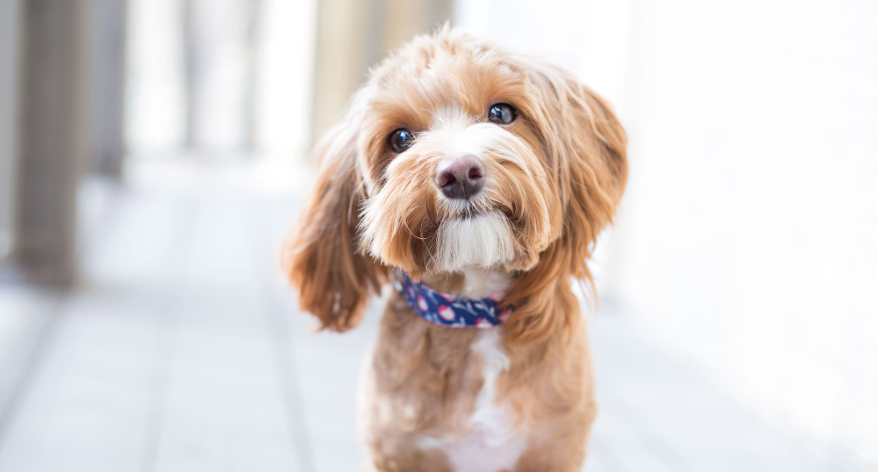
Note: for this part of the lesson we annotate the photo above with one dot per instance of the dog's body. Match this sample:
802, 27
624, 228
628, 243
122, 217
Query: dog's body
477, 172
440, 399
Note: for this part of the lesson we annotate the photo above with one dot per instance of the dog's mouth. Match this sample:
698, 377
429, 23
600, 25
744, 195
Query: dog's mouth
466, 209
482, 239
469, 214
471, 211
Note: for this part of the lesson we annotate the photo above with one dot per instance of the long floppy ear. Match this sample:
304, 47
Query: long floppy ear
588, 144
586, 147
322, 257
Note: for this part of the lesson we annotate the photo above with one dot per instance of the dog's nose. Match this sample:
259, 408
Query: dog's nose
460, 177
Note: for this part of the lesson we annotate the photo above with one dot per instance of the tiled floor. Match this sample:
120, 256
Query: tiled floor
180, 350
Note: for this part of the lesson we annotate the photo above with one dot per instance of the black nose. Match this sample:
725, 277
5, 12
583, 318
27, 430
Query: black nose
460, 177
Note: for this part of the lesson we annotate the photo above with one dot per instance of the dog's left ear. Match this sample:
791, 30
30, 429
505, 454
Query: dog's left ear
322, 258
586, 144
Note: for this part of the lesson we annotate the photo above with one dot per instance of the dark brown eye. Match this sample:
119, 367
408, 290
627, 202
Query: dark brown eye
502, 114
400, 140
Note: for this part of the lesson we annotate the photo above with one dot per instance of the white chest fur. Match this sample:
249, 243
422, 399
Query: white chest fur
492, 446
479, 283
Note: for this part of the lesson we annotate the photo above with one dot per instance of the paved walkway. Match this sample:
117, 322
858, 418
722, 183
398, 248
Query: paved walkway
181, 351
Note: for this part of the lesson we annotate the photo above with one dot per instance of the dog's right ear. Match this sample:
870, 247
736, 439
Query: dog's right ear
322, 258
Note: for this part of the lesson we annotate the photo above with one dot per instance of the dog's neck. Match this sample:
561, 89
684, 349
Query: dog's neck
471, 282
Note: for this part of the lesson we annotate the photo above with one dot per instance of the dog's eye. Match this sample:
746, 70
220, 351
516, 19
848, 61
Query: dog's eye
502, 114
400, 140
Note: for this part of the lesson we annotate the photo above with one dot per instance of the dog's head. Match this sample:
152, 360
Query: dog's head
456, 154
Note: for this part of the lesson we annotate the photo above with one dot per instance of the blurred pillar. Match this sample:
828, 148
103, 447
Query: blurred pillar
108, 46
343, 54
9, 20
52, 136
253, 11
353, 35
191, 78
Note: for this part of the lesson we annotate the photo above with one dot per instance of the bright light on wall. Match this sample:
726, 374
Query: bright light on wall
746, 238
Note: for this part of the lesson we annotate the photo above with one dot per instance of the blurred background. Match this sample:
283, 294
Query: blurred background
153, 153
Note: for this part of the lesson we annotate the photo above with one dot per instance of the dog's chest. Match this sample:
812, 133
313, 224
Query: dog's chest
491, 445
478, 453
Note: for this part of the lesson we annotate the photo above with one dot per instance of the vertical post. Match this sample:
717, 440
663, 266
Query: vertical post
52, 131
108, 45
353, 35
253, 10
403, 19
343, 46
9, 19
191, 68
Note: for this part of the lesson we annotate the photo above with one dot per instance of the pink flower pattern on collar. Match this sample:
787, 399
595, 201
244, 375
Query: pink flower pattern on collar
450, 310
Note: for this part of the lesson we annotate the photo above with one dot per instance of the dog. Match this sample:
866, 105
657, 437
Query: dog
475, 182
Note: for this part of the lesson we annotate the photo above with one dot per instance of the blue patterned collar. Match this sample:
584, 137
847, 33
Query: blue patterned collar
450, 310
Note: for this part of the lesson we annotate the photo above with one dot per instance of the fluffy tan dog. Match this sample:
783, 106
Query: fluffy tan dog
477, 181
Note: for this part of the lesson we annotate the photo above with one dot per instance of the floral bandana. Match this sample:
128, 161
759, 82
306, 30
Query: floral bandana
450, 310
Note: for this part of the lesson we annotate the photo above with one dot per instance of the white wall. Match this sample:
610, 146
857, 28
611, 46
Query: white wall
747, 237
8, 75
748, 233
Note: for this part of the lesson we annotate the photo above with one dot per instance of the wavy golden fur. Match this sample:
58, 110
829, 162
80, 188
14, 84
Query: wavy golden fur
554, 177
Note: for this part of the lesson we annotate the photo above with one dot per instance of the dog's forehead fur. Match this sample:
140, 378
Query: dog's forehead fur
436, 72
449, 49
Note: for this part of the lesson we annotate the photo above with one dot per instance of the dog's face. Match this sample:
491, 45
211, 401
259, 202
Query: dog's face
455, 165
454, 155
